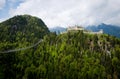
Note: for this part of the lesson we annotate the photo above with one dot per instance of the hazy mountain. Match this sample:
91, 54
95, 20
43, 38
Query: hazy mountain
57, 29
108, 29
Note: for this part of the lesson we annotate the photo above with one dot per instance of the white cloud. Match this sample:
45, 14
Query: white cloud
71, 12
2, 3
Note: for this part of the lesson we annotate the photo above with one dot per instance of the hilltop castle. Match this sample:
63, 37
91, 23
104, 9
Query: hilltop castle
73, 28
80, 28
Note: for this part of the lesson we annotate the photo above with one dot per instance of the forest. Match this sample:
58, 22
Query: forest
72, 55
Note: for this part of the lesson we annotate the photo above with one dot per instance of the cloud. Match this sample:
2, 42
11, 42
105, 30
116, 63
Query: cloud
71, 12
2, 3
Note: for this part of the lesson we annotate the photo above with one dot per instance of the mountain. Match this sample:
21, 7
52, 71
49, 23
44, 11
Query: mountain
22, 27
21, 31
71, 55
108, 29
58, 29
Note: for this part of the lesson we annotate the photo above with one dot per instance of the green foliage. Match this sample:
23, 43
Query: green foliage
65, 56
22, 28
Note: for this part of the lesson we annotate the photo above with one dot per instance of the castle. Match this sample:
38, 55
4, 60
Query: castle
71, 28
80, 28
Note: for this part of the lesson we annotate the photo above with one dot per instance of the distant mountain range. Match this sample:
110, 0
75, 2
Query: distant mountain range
107, 29
57, 29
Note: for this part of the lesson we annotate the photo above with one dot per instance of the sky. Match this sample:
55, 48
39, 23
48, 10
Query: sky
64, 12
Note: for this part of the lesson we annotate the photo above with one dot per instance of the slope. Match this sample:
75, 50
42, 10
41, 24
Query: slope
73, 55
21, 31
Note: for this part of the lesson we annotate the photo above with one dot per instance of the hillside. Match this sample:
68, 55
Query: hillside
22, 27
72, 55
108, 29
21, 31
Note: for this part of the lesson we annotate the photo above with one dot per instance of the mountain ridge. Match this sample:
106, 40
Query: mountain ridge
21, 31
57, 29
107, 29
24, 26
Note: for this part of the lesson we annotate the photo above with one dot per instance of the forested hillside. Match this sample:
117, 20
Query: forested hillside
21, 31
22, 27
65, 56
